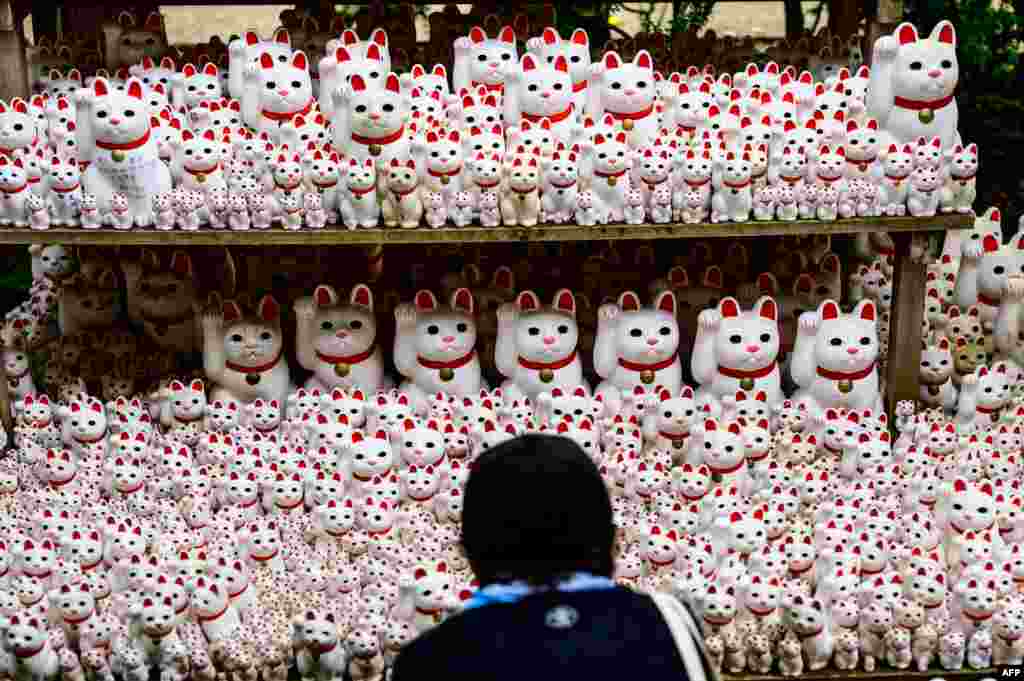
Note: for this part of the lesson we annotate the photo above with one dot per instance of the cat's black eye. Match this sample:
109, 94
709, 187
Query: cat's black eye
916, 66
636, 333
433, 330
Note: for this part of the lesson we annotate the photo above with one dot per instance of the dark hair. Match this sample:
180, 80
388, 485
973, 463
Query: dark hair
537, 509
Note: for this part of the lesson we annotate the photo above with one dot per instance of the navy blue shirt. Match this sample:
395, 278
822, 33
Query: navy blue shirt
588, 635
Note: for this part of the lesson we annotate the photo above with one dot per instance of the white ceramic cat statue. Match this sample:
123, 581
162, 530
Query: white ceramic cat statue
435, 349
738, 350
535, 90
276, 92
912, 83
114, 136
482, 61
835, 358
338, 341
625, 90
243, 354
537, 346
637, 347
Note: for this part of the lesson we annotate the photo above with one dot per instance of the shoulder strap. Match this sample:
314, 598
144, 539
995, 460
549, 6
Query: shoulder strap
687, 636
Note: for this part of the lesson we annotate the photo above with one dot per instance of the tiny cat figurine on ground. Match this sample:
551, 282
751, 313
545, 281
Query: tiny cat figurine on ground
695, 207
462, 208
586, 209
959, 192
661, 205
259, 210
924, 193
490, 214
163, 211
764, 203
291, 210
186, 204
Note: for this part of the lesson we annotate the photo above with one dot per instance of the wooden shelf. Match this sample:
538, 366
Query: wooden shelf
880, 674
333, 236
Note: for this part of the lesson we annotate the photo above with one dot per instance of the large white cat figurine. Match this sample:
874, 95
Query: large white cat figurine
337, 341
243, 354
576, 50
114, 136
835, 356
482, 61
535, 90
912, 83
737, 350
276, 92
637, 347
247, 50
537, 346
625, 90
436, 348
369, 120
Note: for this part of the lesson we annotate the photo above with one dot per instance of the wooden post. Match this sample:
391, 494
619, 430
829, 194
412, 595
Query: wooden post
907, 310
13, 69
890, 13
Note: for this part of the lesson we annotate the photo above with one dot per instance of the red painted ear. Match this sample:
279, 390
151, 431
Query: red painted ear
269, 310
629, 302
99, 89
729, 308
565, 302
666, 302
266, 61
829, 310
867, 312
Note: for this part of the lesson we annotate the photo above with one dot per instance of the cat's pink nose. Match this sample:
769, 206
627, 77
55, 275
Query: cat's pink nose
852, 351
493, 64
448, 339
374, 117
283, 93
115, 121
545, 95
549, 340
342, 334
934, 73
652, 341
630, 92
753, 348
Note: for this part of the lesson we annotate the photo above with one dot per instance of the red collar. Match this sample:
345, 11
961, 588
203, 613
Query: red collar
632, 116
497, 87
380, 533
921, 105
76, 620
60, 190
657, 366
61, 483
726, 471
484, 185
843, 376
829, 180
720, 623
985, 300
791, 179
932, 607
987, 410
256, 369
965, 178
288, 508
689, 498
455, 364
214, 616
442, 173
697, 184
652, 185
126, 146
869, 572
386, 139
675, 437
539, 366
361, 192
976, 618
236, 594
897, 178
205, 171
563, 186
660, 563
187, 420
287, 187
285, 117
336, 533
741, 373
264, 559
800, 571
23, 655
741, 185
580, 86
553, 118
804, 637
350, 359
270, 429
14, 191
405, 193
862, 163
758, 612
249, 504
91, 567
523, 192
324, 185
323, 650
88, 442
422, 499
604, 174
368, 478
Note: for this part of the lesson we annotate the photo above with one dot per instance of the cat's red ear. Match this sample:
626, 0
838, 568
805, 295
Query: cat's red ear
269, 309
906, 34
99, 89
945, 33
829, 310
266, 61
768, 309
666, 302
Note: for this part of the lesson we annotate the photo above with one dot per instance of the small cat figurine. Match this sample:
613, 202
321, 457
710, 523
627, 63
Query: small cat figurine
120, 211
186, 208
575, 50
483, 61
561, 174
490, 214
435, 348
911, 85
695, 208
520, 203
402, 204
586, 209
192, 86
217, 208
537, 346
835, 375
275, 92
635, 211
337, 341
661, 204
291, 210
536, 89
627, 360
238, 213
924, 193
243, 353
323, 173
313, 208
732, 200
259, 211
764, 203
462, 208
65, 191
786, 207
611, 162
374, 127
897, 166
435, 208
959, 191
89, 212
13, 192
358, 204
39, 214
937, 388
627, 91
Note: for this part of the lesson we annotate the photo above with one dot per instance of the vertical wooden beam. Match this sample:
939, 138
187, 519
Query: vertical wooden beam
908, 284
13, 68
890, 13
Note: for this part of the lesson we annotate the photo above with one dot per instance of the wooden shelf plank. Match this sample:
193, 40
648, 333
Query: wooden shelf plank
423, 235
886, 674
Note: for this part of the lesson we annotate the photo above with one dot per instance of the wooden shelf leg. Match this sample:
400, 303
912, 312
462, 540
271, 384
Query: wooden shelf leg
13, 69
904, 359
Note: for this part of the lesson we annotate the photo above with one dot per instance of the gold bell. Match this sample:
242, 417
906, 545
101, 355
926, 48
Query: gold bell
934, 389
612, 181
627, 124
547, 375
200, 178
445, 179
341, 369
845, 386
678, 444
647, 377
117, 156
446, 374
926, 116
747, 384
375, 150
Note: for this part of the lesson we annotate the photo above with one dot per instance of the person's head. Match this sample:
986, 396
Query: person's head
536, 509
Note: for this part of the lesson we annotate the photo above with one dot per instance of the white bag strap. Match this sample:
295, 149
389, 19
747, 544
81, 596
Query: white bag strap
687, 636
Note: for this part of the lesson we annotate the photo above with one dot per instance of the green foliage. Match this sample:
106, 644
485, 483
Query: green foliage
686, 14
590, 16
989, 41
